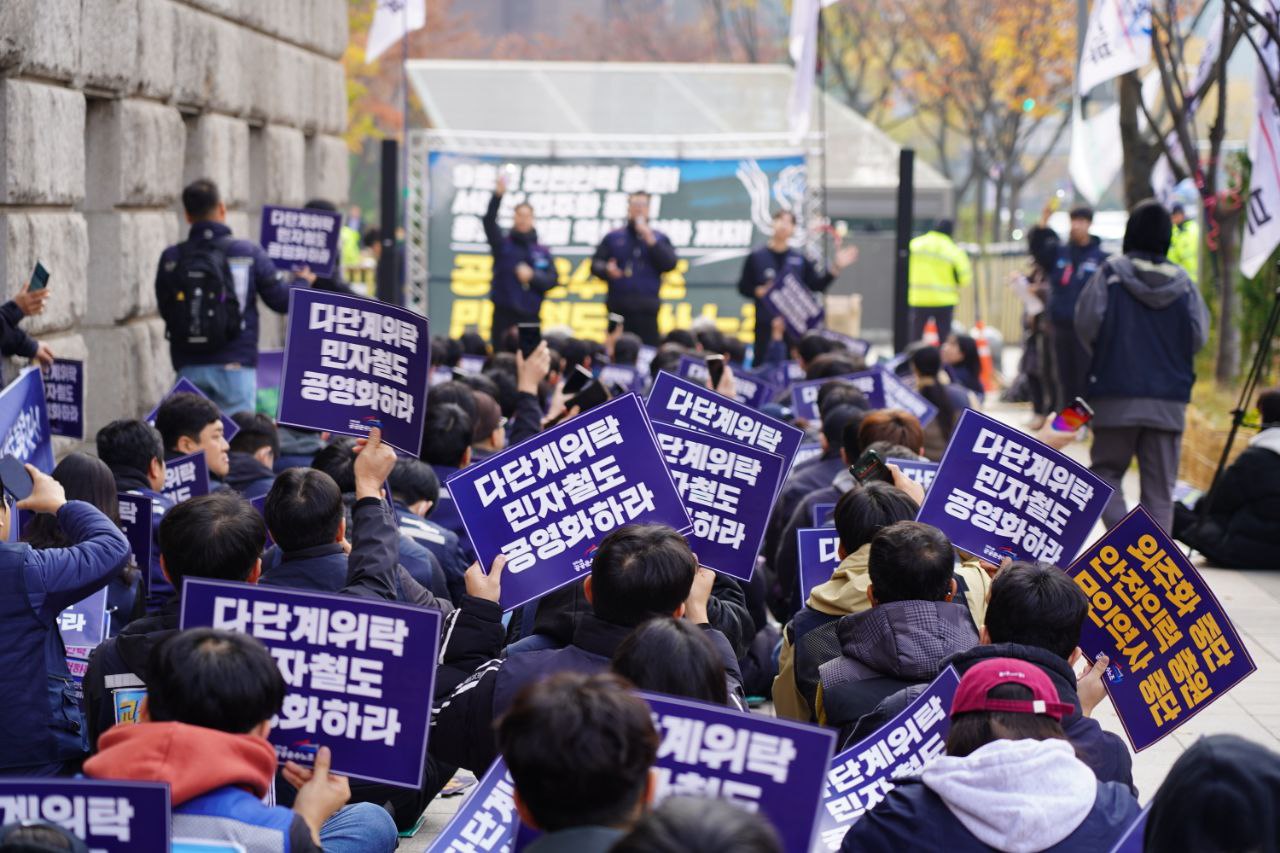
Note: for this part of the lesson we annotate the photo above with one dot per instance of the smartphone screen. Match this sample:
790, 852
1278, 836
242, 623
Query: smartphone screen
17, 481
1072, 417
615, 320
715, 368
593, 395
530, 337
577, 380
869, 464
39, 278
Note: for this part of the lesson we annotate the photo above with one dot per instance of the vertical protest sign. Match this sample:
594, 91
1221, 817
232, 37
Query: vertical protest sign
1000, 493
1173, 650
260, 504
186, 477
547, 502
748, 389
297, 237
628, 377
64, 397
795, 304
109, 816
472, 363
682, 403
1132, 840
270, 370
806, 452
728, 489
897, 395
186, 386
804, 395
135, 521
765, 765
821, 513
819, 556
353, 668
351, 364
487, 820
921, 471
83, 625
24, 422
856, 346
862, 775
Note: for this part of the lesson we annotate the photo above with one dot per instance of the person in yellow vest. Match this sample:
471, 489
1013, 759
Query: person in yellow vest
937, 269
1184, 248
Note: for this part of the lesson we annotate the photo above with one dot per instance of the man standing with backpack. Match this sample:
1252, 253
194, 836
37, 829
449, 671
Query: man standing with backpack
206, 289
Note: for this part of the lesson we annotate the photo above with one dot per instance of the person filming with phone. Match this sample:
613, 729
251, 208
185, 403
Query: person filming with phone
632, 260
28, 302
523, 269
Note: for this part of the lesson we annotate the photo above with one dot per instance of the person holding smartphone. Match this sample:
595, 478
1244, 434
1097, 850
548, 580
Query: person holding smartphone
28, 302
632, 260
523, 269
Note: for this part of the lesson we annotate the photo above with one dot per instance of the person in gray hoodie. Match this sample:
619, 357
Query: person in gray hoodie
1142, 320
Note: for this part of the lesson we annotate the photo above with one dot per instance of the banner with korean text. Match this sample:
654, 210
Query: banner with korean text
108, 816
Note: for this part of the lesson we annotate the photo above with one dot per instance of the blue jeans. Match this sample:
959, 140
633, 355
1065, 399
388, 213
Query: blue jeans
359, 828
232, 389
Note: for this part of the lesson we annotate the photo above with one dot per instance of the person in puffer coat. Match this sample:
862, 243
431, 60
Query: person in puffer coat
1010, 779
912, 626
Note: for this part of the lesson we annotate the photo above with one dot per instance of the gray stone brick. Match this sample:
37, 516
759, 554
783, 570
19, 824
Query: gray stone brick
107, 50
329, 96
218, 149
157, 32
41, 143
135, 154
40, 37
124, 251
278, 164
328, 169
61, 242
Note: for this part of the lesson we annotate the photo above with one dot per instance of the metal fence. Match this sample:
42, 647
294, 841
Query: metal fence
991, 297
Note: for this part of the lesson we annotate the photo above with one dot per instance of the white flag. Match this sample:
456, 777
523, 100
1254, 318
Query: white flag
1096, 151
803, 46
1262, 212
393, 21
1118, 41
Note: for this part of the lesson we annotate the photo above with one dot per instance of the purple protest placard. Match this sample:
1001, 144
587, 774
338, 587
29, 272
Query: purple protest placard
547, 502
472, 363
1132, 840
857, 346
1003, 494
898, 395
819, 556
64, 397
83, 625
682, 403
748, 389
486, 820
820, 513
791, 300
782, 374
1173, 650
259, 503
298, 237
185, 385
728, 489
765, 765
185, 478
351, 364
109, 816
625, 375
24, 423
921, 471
352, 666
804, 395
805, 452
270, 368
693, 368
645, 358
863, 774
135, 521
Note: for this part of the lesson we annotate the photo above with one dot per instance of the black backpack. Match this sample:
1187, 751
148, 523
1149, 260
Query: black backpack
198, 302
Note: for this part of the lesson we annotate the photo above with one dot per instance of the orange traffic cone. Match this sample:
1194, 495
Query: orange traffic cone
930, 336
988, 374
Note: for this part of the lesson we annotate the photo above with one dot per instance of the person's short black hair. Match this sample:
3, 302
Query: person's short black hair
213, 679
83, 478
672, 656
829, 365
504, 382
579, 748
927, 360
839, 392
303, 509
838, 419
1269, 406
256, 431
524, 204
473, 343
39, 837
321, 204
338, 460
479, 382
811, 345
130, 444
200, 198
219, 535
735, 350
184, 414
372, 236
456, 392
667, 358
446, 434
1036, 605
910, 561
641, 571
695, 824
626, 350
1149, 229
488, 417
638, 194
789, 214
1082, 211
1219, 795
683, 337
413, 480
863, 512
445, 352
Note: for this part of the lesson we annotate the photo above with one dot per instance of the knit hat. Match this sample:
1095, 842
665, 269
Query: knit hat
979, 680
1149, 229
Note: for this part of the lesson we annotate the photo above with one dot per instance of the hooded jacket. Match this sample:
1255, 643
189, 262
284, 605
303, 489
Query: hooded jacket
887, 648
216, 783
248, 476
1140, 309
1015, 796
1242, 530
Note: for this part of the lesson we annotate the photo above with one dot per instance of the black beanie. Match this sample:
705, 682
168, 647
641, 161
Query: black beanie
1221, 794
1149, 229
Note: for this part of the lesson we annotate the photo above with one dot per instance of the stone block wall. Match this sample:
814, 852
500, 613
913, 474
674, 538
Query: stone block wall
107, 108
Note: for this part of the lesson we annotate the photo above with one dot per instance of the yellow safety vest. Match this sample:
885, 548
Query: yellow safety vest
349, 246
937, 269
1184, 248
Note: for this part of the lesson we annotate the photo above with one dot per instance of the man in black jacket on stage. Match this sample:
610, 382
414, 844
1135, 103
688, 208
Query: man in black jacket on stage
523, 269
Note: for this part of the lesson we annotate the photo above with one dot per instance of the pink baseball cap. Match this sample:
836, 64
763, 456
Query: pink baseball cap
971, 695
